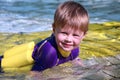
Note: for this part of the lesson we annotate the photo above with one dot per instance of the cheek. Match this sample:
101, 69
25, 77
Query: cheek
59, 38
77, 42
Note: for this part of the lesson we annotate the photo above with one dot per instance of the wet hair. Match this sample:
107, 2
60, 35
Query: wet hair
71, 14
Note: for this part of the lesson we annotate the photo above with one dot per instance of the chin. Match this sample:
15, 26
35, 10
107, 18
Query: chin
68, 50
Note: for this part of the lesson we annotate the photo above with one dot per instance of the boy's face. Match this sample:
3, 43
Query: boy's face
67, 39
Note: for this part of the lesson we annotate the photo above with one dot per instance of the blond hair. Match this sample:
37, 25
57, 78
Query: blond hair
71, 14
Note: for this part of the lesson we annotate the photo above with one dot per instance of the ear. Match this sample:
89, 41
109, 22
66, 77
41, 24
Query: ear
83, 36
53, 28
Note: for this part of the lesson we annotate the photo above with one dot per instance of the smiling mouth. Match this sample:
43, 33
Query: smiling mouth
66, 45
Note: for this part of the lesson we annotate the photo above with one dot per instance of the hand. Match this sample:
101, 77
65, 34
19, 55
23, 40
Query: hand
34, 75
77, 62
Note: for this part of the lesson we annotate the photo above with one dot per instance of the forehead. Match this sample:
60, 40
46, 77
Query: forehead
70, 29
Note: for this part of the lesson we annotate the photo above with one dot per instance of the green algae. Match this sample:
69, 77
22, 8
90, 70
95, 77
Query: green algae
101, 40
9, 40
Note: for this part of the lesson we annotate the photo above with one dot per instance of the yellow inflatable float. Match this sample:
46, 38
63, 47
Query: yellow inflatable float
18, 58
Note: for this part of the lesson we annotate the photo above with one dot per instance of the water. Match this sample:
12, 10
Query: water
94, 72
100, 52
37, 15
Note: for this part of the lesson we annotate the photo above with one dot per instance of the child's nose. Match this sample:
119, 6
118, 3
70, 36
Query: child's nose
68, 39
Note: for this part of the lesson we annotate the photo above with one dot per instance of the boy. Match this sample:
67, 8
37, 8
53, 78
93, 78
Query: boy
69, 28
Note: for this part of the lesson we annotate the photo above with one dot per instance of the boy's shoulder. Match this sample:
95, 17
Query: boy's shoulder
50, 40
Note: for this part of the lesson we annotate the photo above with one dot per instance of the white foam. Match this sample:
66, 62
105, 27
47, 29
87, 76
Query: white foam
16, 25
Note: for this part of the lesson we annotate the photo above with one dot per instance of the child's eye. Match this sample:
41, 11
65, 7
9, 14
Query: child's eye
76, 35
65, 33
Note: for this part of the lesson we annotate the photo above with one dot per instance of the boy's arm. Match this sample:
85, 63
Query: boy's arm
44, 57
75, 58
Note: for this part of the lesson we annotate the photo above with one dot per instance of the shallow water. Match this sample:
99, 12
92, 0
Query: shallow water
100, 52
109, 71
33, 16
